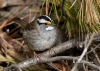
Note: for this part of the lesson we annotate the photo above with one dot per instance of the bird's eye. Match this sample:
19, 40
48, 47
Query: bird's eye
45, 23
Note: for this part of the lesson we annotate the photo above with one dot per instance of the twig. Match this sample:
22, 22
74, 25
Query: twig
84, 67
73, 4
70, 58
96, 56
93, 49
63, 8
43, 59
85, 50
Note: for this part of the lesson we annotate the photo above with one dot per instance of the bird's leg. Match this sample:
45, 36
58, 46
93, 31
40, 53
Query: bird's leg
51, 51
51, 64
35, 54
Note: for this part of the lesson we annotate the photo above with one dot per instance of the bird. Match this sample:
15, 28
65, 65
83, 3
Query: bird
41, 34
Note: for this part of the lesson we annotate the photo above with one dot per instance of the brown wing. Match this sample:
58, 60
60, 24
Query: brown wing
20, 22
30, 26
24, 25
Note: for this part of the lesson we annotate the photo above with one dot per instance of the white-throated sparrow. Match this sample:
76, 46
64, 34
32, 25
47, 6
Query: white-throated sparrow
41, 34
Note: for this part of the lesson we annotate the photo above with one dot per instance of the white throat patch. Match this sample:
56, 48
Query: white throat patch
49, 28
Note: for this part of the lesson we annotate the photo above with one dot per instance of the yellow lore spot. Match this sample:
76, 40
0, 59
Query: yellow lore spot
48, 22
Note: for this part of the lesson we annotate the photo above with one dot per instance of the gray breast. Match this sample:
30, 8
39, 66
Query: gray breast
39, 40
